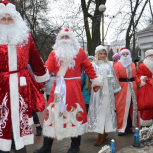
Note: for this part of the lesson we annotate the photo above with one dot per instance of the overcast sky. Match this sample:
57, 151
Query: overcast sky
112, 7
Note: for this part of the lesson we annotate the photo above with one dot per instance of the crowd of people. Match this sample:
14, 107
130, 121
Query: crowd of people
84, 94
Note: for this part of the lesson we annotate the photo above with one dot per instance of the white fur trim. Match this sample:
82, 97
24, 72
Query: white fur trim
148, 64
5, 145
28, 139
30, 121
8, 9
14, 96
142, 82
127, 106
149, 52
125, 51
12, 56
23, 81
97, 81
65, 33
57, 131
99, 48
42, 78
49, 131
146, 122
117, 90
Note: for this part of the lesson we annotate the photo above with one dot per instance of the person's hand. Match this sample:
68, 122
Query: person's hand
44, 88
116, 93
145, 79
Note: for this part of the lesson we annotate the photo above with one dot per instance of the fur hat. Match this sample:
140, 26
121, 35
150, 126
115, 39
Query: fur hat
124, 50
6, 7
148, 52
99, 48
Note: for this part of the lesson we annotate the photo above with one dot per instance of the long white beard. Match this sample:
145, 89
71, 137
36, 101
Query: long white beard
14, 33
126, 61
148, 62
65, 52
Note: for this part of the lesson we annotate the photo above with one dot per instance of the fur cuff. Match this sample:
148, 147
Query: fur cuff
97, 81
117, 90
142, 82
42, 78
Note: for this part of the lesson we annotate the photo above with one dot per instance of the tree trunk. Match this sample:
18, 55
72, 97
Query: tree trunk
95, 33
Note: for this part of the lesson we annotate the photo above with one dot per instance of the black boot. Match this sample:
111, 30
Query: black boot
38, 130
46, 148
75, 145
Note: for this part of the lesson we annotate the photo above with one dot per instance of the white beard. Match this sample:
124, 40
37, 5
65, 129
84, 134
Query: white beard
126, 61
65, 52
148, 62
15, 33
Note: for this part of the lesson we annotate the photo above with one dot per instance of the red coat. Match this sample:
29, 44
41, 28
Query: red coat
19, 94
145, 95
73, 122
123, 98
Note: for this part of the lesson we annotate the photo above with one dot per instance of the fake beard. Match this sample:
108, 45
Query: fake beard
126, 61
148, 62
14, 33
65, 52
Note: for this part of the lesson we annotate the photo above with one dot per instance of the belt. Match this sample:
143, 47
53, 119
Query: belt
126, 79
11, 72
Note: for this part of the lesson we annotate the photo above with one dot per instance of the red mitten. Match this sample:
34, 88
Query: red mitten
95, 88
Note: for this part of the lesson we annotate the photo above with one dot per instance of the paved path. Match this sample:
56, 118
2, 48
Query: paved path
87, 142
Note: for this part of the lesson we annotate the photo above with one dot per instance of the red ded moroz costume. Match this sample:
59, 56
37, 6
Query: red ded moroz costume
145, 100
19, 94
72, 121
128, 81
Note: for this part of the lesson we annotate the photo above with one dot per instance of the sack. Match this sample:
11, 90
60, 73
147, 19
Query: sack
145, 97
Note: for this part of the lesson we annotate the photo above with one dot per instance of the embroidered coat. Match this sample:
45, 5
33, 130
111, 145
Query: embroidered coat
19, 94
73, 121
145, 95
102, 115
123, 99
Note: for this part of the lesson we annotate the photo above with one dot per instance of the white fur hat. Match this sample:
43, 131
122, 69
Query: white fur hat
7, 8
124, 50
100, 47
148, 52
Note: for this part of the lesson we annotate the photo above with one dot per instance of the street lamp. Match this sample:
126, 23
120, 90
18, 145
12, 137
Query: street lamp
102, 9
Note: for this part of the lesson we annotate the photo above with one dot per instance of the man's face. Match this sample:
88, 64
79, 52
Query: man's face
65, 37
6, 20
125, 54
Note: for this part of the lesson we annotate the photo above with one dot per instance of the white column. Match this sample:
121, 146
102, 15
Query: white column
142, 54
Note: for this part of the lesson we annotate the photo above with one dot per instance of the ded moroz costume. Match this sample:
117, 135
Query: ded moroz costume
19, 94
145, 100
126, 109
66, 114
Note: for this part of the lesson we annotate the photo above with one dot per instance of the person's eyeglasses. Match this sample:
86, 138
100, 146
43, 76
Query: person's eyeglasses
4, 19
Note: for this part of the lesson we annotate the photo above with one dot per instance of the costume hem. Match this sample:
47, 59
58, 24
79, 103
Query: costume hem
5, 145
49, 131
